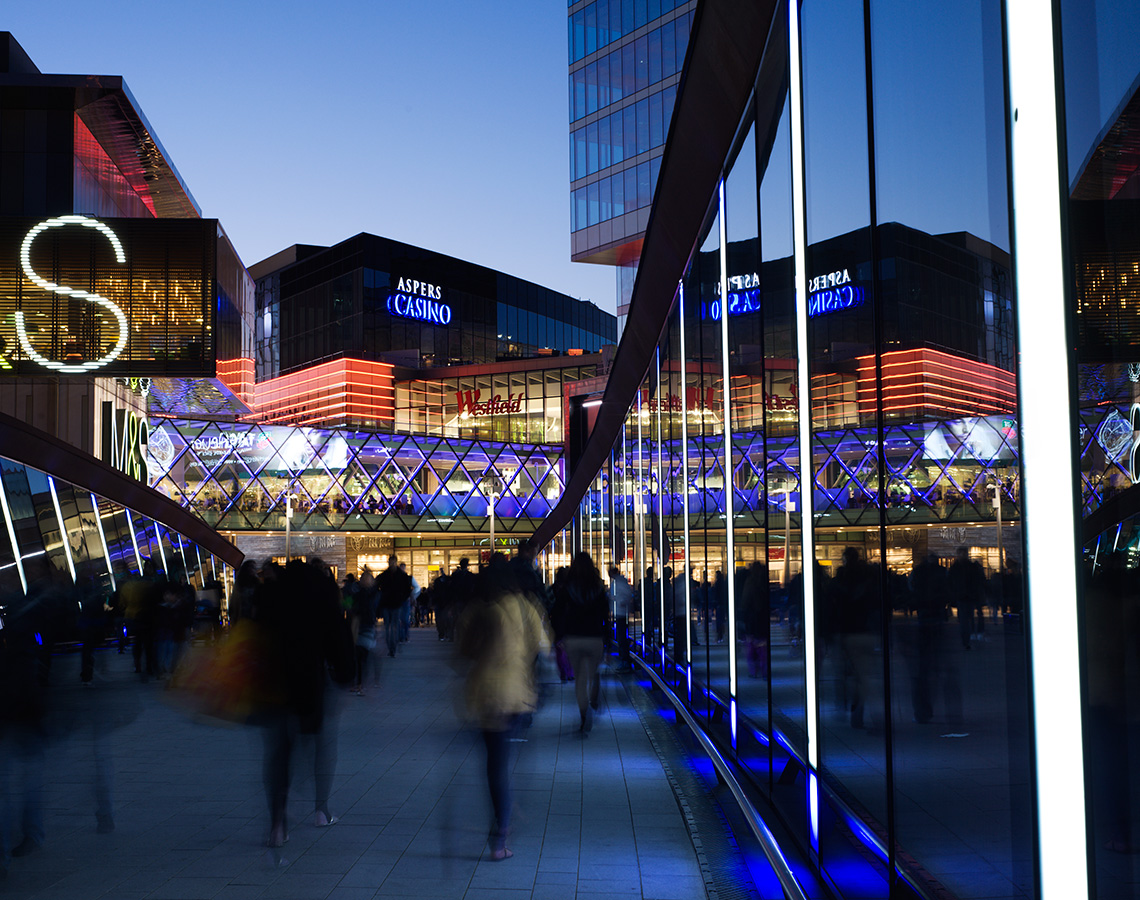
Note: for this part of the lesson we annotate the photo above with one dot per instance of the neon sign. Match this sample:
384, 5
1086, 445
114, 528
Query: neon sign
419, 308
114, 297
125, 440
70, 292
834, 299
469, 404
743, 297
408, 286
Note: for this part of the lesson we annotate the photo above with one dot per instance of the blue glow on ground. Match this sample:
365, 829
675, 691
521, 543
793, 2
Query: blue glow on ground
813, 809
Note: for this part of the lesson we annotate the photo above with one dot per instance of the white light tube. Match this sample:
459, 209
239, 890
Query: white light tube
12, 535
1051, 537
726, 471
62, 527
807, 500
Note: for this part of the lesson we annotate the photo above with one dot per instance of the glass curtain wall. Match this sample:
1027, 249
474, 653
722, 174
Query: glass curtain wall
59, 537
240, 477
1102, 117
912, 483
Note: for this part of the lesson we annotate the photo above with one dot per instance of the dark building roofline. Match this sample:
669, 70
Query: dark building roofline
13, 58
112, 114
299, 253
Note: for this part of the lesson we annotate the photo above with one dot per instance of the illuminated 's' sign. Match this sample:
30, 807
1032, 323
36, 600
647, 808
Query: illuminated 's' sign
107, 296
420, 308
71, 293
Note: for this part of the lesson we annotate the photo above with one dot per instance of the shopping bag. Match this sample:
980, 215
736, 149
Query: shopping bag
233, 680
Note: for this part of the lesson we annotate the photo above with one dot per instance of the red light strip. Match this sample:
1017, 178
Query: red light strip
330, 390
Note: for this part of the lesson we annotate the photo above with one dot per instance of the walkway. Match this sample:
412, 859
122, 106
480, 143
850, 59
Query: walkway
595, 817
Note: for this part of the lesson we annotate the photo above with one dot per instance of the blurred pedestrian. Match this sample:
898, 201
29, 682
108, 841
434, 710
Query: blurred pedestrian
305, 637
32, 622
582, 611
621, 594
361, 596
499, 634
395, 587
967, 585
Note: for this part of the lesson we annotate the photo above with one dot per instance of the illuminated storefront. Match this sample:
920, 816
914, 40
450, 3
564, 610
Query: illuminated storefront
348, 490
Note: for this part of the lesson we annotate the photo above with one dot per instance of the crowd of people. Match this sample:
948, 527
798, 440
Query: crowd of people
291, 642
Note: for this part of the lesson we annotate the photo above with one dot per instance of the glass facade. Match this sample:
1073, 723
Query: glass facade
61, 532
625, 62
1102, 121
237, 477
841, 379
376, 299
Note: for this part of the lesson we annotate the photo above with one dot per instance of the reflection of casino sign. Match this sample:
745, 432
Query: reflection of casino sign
470, 405
833, 292
419, 300
743, 297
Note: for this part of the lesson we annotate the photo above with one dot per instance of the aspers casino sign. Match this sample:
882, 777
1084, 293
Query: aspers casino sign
107, 296
419, 300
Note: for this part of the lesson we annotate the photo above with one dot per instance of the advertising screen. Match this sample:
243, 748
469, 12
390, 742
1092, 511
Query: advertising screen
81, 295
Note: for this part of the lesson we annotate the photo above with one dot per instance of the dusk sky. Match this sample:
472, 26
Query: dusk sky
439, 123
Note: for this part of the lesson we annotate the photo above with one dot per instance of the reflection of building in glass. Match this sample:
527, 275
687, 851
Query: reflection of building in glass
868, 297
61, 532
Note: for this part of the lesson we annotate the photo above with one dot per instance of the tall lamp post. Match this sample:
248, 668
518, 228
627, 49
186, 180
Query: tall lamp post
289, 495
491, 498
492, 482
996, 488
787, 532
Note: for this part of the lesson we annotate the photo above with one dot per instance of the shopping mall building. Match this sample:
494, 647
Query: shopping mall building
400, 401
886, 316
165, 405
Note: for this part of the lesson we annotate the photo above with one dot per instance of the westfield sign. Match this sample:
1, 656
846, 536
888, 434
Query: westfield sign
472, 404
